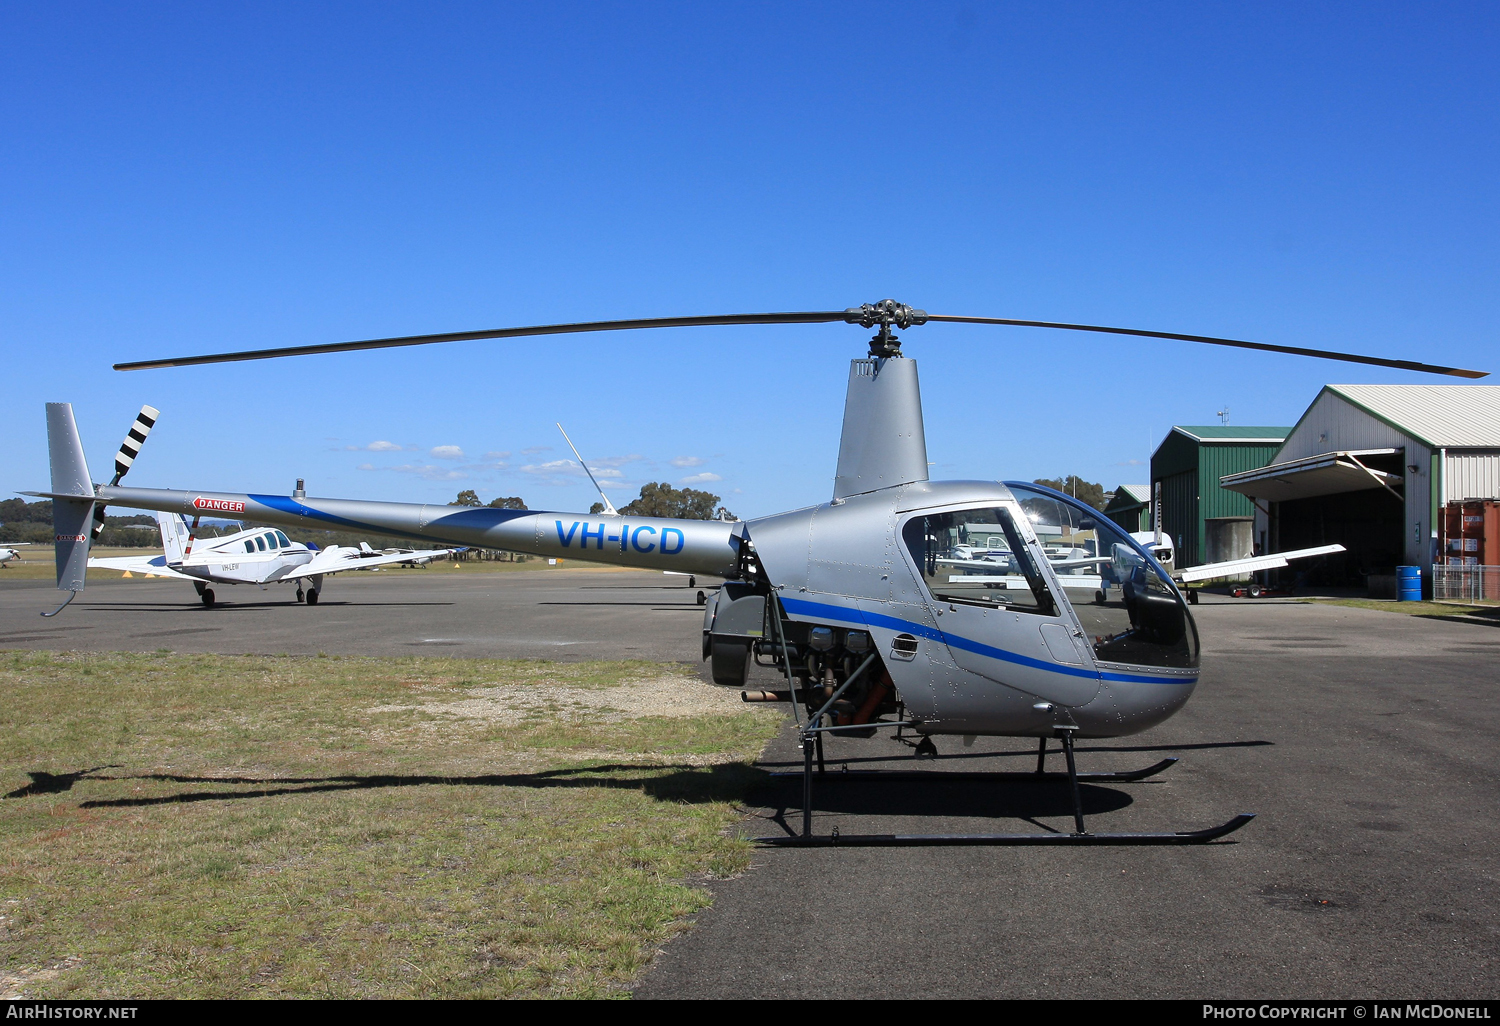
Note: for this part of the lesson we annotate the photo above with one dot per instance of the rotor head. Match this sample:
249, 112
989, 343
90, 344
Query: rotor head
887, 314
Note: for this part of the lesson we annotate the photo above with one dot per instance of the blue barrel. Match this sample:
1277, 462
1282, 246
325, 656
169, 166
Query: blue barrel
1408, 584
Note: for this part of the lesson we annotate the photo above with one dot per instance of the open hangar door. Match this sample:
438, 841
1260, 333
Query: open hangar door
1352, 497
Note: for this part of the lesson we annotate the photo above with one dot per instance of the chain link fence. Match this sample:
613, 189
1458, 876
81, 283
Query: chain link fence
1471, 583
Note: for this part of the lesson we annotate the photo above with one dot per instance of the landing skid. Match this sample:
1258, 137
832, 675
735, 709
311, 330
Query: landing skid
1080, 836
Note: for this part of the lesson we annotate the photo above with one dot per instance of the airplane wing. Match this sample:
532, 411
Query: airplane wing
1229, 568
155, 565
1069, 564
338, 558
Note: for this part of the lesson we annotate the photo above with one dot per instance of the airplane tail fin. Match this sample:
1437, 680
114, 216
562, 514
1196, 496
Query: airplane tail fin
72, 498
174, 536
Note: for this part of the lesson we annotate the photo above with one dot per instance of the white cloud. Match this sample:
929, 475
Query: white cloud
688, 461
382, 447
702, 478
422, 470
533, 450
498, 455
604, 469
553, 467
446, 452
615, 461
1132, 463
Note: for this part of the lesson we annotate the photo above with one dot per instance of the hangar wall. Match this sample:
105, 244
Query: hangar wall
1333, 423
1199, 514
1470, 475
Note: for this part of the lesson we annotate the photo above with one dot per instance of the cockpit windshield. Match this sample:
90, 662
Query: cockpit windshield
1128, 606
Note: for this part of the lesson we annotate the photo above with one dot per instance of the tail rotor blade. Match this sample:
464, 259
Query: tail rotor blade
125, 458
131, 447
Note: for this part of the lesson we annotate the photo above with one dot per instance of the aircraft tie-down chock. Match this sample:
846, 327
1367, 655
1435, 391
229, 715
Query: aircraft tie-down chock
959, 607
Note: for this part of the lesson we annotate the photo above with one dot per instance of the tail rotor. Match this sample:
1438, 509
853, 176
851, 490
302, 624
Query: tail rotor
125, 458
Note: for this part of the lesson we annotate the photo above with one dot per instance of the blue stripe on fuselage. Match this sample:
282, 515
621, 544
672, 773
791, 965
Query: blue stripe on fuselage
894, 623
462, 516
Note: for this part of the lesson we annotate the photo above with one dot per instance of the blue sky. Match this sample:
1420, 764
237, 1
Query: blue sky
188, 178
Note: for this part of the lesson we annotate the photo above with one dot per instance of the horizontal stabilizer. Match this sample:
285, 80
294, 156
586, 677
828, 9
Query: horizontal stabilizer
151, 565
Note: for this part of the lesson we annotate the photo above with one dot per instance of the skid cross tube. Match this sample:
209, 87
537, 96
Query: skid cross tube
1066, 733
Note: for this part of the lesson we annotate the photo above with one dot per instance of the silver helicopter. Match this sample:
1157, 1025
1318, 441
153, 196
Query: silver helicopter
871, 606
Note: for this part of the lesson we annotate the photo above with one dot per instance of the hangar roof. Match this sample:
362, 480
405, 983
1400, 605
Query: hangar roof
1441, 416
1230, 433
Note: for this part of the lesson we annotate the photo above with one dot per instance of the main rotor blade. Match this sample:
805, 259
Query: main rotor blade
815, 317
1322, 354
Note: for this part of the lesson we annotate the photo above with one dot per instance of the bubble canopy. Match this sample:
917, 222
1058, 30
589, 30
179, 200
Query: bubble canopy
1123, 597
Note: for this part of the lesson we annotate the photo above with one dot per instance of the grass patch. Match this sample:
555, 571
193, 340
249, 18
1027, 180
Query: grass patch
242, 826
1442, 610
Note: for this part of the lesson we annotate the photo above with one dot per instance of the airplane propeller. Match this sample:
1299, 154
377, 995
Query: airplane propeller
885, 315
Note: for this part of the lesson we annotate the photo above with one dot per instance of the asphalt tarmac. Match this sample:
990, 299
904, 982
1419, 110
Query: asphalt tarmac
1365, 741
563, 614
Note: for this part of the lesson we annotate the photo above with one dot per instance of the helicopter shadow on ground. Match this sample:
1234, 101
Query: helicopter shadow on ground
670, 782
943, 798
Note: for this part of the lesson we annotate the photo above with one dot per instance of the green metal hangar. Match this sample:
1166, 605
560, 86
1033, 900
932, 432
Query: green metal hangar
1370, 467
1208, 523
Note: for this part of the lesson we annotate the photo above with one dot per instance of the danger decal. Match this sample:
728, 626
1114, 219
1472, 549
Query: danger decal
222, 505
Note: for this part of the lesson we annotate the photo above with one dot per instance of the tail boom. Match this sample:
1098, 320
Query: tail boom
709, 547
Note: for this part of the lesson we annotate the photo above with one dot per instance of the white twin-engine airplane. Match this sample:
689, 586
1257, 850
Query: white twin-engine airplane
259, 556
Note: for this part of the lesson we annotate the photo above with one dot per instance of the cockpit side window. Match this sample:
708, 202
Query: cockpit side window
978, 557
271, 541
284, 542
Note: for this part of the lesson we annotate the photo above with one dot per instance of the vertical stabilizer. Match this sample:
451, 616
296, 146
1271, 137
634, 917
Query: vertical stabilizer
883, 444
71, 517
174, 534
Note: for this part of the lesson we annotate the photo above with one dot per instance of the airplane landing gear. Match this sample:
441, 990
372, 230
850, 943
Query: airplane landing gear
208, 598
312, 598
300, 595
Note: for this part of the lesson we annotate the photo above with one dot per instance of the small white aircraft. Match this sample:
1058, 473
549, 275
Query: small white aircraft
10, 551
411, 557
259, 556
972, 562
